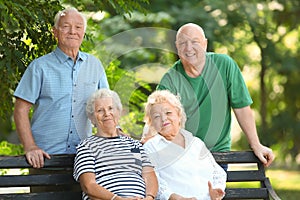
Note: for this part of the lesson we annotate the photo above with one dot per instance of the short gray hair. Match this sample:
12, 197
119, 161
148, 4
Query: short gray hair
65, 11
102, 93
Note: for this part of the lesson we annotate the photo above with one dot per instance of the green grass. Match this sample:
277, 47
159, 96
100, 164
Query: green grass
286, 183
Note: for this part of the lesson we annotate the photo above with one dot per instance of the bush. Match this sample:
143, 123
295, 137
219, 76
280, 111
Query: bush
9, 149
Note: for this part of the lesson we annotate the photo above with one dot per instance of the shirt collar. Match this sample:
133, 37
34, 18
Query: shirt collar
186, 134
62, 57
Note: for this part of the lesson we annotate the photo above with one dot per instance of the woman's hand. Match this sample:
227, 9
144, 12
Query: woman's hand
179, 197
215, 194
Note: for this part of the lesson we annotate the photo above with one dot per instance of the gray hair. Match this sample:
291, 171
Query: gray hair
102, 93
164, 96
64, 12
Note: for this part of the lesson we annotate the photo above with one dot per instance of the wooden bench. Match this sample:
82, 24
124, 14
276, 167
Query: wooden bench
66, 161
49, 180
265, 191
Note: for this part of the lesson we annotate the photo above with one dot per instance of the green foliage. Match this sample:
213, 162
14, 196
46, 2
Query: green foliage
132, 94
114, 7
8, 149
25, 33
132, 124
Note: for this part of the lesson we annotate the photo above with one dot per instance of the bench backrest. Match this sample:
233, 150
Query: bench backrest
246, 175
53, 181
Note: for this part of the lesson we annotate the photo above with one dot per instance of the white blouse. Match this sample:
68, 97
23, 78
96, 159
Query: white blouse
184, 171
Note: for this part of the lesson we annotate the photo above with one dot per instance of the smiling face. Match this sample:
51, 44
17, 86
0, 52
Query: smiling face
70, 31
191, 45
164, 118
106, 116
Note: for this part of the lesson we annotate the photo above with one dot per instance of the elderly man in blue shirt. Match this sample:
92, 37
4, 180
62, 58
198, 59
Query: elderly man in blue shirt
58, 85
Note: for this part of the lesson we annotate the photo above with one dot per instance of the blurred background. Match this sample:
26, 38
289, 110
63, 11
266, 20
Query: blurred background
134, 39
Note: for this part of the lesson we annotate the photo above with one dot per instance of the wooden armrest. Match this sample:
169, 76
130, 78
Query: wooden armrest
270, 189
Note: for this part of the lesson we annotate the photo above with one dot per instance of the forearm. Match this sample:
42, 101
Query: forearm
151, 181
96, 192
92, 189
246, 121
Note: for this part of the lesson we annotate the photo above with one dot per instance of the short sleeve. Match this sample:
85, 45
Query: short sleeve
145, 158
239, 95
84, 161
30, 84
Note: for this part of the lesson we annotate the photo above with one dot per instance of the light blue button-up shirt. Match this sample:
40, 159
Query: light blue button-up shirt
59, 90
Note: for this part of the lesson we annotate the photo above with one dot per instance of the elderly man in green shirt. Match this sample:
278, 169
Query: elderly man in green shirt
210, 85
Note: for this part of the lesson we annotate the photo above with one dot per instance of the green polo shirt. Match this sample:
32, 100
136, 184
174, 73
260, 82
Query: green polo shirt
208, 98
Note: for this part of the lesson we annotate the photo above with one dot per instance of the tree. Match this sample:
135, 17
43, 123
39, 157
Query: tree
263, 37
268, 26
26, 33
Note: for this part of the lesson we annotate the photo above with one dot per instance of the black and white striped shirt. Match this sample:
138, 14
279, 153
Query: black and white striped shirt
117, 163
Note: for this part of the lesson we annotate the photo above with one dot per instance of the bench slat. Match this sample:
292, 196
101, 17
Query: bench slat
242, 176
235, 157
65, 195
36, 180
56, 161
246, 193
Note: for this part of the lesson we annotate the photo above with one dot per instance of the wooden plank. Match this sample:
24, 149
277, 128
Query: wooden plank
64, 195
56, 161
242, 176
246, 193
235, 157
36, 180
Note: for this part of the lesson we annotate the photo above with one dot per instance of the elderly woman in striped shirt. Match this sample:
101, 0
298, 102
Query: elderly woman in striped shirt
110, 165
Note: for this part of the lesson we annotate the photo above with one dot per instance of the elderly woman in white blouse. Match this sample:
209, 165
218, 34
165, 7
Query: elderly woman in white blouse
185, 168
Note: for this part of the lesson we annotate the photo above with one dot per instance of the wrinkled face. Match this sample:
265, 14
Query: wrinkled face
106, 115
165, 120
191, 45
70, 31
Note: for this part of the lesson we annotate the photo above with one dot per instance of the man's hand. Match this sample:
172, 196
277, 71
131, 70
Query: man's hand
264, 154
215, 194
35, 156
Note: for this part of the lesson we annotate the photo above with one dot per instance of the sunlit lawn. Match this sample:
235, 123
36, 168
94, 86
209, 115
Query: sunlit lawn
286, 183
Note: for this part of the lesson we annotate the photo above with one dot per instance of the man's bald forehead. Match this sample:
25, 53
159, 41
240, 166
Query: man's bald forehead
191, 26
